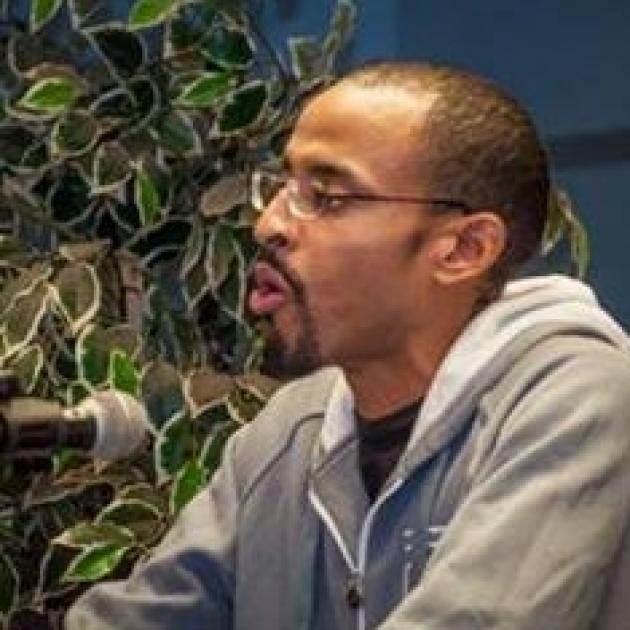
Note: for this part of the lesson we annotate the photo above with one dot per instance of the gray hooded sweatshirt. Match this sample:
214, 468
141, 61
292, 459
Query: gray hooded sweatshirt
507, 510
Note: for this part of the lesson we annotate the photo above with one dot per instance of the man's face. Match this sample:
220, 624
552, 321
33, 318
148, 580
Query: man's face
355, 283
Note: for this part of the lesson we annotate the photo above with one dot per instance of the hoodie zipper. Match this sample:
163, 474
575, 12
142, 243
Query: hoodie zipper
357, 570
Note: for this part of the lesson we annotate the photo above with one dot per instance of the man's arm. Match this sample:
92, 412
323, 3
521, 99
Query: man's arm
188, 581
531, 546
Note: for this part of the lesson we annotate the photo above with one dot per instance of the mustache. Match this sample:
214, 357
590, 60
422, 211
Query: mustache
269, 255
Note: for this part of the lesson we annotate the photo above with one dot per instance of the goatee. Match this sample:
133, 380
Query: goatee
284, 362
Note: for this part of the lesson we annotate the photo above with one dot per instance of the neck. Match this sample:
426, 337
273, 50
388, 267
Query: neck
384, 385
378, 394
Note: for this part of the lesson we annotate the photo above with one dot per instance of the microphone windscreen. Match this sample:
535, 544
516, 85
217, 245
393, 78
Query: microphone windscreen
122, 423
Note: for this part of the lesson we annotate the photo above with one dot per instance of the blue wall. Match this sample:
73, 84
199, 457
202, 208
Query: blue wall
565, 60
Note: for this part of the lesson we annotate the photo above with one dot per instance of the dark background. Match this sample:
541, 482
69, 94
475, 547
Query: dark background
566, 61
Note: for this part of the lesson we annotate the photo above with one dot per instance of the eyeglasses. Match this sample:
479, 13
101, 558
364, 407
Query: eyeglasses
307, 200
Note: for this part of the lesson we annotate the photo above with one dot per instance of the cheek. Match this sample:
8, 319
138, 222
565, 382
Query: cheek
356, 280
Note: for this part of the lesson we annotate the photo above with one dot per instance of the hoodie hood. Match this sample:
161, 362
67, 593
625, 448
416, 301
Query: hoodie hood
528, 310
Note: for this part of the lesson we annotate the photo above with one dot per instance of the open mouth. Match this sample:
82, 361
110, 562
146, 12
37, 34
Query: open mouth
270, 291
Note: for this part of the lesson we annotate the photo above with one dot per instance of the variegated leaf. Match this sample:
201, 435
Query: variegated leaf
189, 480
78, 293
42, 11
95, 562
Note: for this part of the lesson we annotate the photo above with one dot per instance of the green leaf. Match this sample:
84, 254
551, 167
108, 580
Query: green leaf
52, 95
95, 562
193, 269
122, 372
230, 48
93, 368
115, 106
161, 176
124, 52
226, 269
231, 293
146, 13
162, 392
75, 393
205, 90
194, 247
70, 202
78, 294
95, 345
176, 133
9, 584
35, 157
166, 237
189, 26
580, 248
554, 225
221, 253
342, 25
85, 12
43, 11
61, 358
147, 101
563, 222
174, 446
188, 482
196, 284
306, 58
74, 133
212, 449
89, 534
146, 196
54, 563
243, 108
111, 167
13, 140
142, 519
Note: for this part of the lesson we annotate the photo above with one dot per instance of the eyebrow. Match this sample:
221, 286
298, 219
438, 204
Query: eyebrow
326, 170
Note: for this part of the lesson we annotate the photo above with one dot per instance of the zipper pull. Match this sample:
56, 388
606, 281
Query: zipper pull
354, 592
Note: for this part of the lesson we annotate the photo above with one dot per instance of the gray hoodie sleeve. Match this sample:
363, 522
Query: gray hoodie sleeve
187, 583
532, 544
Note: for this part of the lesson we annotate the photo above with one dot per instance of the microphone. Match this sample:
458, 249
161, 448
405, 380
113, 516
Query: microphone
108, 425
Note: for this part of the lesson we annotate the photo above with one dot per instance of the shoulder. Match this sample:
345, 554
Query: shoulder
296, 400
292, 415
566, 389
572, 362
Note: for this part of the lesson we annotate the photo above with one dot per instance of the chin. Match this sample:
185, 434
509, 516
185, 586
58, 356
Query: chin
284, 360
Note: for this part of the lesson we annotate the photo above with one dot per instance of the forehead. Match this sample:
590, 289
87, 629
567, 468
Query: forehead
373, 133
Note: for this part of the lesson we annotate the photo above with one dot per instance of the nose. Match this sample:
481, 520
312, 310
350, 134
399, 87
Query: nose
273, 228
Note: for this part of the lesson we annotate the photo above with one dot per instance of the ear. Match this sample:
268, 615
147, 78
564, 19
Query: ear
468, 247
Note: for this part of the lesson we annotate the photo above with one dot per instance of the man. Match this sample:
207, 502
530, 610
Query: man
456, 456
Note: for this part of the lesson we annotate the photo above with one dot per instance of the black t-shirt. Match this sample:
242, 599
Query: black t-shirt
381, 442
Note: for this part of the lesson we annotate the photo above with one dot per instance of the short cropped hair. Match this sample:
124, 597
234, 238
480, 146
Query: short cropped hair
478, 145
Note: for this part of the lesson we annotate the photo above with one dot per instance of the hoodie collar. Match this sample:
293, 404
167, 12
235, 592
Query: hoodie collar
527, 310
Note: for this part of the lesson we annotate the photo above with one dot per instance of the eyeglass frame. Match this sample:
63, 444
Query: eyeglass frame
294, 197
